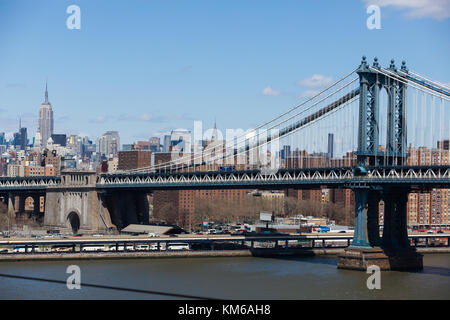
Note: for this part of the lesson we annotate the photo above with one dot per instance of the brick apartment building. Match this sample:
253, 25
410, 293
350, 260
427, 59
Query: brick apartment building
129, 160
430, 209
183, 201
50, 158
46, 171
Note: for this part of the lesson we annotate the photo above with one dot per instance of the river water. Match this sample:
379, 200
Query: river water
225, 278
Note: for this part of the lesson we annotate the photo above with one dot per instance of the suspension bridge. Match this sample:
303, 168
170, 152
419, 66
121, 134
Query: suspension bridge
368, 132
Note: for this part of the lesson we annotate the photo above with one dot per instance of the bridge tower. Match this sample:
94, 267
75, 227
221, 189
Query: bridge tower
371, 83
75, 204
393, 250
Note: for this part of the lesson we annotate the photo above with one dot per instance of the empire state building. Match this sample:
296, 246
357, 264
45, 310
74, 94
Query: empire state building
45, 122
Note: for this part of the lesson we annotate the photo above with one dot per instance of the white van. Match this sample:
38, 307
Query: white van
177, 246
93, 248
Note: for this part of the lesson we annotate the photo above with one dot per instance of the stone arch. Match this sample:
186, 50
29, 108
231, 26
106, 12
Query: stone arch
73, 221
29, 203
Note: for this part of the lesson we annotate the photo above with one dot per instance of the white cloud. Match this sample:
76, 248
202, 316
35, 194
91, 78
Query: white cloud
145, 117
149, 117
435, 9
316, 81
309, 94
101, 119
268, 91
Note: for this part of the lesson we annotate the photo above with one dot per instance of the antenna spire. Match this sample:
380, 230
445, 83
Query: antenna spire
46, 93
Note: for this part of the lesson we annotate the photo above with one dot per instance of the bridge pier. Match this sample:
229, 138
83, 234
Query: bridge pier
364, 249
76, 205
391, 252
395, 242
126, 207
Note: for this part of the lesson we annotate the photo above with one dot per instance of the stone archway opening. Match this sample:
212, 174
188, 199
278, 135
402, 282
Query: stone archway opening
74, 221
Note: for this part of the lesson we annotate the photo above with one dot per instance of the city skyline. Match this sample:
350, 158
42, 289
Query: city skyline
165, 85
270, 150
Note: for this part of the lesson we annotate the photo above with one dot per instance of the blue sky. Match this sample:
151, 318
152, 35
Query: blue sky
145, 67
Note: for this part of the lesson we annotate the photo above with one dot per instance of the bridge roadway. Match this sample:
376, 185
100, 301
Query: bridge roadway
415, 177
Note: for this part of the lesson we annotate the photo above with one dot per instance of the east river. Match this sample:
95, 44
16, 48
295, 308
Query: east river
225, 278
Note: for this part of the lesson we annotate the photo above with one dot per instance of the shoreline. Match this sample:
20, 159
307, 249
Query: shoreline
187, 254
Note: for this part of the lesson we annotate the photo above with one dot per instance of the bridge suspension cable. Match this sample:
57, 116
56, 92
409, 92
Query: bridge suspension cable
416, 85
292, 129
274, 123
425, 79
322, 105
428, 129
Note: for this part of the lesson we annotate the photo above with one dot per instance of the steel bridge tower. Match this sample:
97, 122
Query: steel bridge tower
393, 246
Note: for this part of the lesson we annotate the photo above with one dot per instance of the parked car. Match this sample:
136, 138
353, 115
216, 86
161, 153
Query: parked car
152, 234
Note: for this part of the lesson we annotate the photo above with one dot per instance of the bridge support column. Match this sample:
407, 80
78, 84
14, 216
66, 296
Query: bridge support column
22, 198
36, 205
373, 225
11, 210
395, 242
11, 203
393, 251
360, 238
363, 252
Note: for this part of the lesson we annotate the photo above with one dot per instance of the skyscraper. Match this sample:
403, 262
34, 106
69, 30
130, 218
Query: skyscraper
45, 122
20, 138
166, 147
2, 138
109, 144
330, 145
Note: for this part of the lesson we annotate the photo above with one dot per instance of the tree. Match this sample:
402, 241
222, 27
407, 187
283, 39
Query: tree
168, 213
